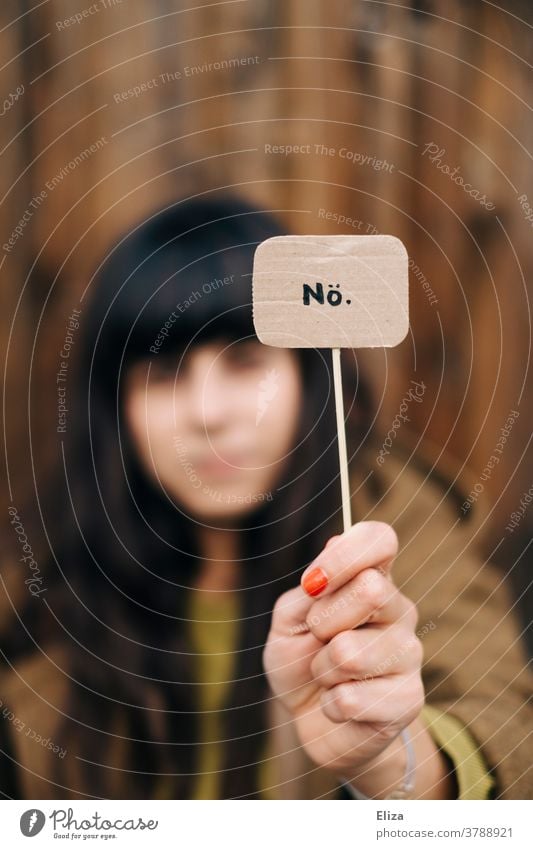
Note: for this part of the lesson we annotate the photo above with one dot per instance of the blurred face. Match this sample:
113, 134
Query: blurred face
215, 428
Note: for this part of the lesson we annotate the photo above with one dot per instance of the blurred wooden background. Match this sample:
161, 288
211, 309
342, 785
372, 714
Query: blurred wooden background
381, 80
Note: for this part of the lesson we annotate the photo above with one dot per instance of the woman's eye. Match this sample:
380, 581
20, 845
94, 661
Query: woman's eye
163, 370
245, 356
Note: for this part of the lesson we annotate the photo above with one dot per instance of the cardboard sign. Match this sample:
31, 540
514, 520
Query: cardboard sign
330, 291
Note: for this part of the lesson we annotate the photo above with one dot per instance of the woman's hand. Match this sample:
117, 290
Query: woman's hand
346, 661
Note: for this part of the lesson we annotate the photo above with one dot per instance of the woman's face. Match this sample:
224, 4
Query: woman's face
216, 428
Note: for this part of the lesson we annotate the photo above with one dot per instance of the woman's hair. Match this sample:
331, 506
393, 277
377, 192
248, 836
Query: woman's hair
124, 555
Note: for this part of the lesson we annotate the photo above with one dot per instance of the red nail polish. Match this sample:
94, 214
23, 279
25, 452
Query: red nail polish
315, 581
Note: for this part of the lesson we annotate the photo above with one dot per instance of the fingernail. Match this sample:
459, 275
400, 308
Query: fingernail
315, 581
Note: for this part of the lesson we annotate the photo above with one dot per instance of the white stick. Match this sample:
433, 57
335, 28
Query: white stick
341, 435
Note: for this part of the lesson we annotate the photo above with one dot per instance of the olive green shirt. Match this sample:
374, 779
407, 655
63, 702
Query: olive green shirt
213, 628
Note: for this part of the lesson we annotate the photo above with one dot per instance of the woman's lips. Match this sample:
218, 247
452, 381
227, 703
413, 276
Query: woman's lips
220, 466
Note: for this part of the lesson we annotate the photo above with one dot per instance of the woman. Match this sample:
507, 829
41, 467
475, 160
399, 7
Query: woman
186, 646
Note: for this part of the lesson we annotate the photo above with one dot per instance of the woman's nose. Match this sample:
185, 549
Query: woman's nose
207, 399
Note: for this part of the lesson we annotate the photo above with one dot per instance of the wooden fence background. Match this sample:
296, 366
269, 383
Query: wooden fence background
381, 80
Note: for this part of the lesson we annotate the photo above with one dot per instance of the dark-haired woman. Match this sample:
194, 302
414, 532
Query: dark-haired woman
207, 631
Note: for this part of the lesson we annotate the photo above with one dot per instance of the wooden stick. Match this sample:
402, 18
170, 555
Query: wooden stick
341, 435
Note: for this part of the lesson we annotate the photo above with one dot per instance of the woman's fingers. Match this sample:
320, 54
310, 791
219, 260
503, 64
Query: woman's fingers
364, 545
289, 649
289, 613
368, 652
397, 698
369, 597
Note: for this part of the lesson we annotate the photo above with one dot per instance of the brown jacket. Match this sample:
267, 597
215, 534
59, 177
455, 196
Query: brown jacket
474, 665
